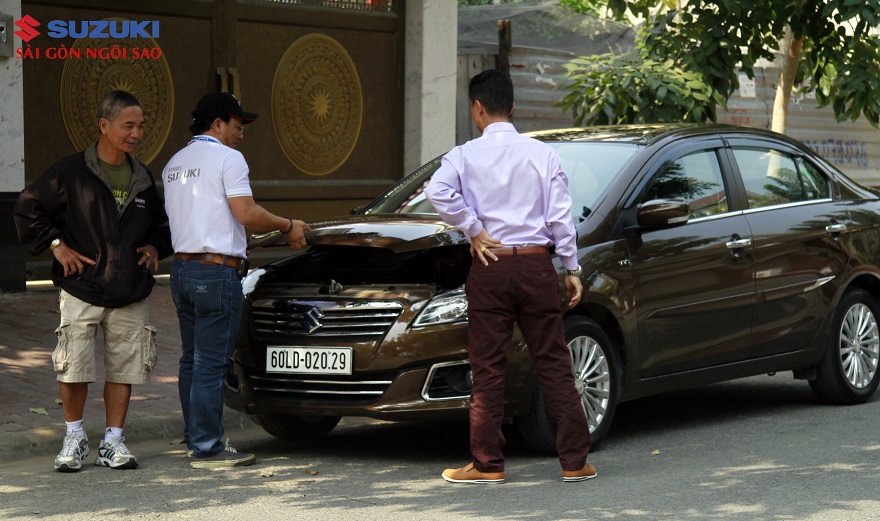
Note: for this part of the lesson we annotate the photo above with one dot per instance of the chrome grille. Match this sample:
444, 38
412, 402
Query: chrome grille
366, 388
292, 317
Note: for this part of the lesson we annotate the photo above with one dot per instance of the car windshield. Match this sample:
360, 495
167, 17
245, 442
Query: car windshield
590, 166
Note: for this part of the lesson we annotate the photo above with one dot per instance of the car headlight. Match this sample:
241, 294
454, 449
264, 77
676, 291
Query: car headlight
444, 309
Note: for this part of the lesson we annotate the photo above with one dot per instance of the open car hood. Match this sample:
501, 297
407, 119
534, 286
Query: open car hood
397, 233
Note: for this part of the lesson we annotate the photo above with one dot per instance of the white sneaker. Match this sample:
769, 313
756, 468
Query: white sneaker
74, 449
228, 457
114, 454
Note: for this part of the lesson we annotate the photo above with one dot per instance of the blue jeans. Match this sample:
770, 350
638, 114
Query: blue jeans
209, 306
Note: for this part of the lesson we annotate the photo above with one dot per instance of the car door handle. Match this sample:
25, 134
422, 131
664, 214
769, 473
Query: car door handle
738, 244
835, 228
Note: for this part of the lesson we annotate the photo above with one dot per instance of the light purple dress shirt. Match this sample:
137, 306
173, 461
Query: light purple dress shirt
511, 185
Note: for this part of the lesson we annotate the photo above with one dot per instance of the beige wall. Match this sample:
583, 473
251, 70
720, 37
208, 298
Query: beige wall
431, 64
11, 115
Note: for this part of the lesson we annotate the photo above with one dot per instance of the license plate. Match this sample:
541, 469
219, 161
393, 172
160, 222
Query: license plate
309, 360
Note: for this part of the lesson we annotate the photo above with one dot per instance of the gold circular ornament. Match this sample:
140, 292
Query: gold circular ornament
107, 64
317, 104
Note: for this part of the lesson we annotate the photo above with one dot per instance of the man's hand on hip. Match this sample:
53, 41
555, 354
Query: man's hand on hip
149, 256
480, 245
72, 262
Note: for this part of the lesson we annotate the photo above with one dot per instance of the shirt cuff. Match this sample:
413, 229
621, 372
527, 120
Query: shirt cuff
570, 264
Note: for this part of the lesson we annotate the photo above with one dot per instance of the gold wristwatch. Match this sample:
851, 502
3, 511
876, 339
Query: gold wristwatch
54, 244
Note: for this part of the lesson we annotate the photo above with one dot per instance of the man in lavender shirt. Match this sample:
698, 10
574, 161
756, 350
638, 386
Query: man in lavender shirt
508, 193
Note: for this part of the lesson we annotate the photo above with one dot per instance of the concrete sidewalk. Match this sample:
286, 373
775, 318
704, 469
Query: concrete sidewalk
27, 381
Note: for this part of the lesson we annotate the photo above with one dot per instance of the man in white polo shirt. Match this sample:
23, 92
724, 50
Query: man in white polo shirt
209, 202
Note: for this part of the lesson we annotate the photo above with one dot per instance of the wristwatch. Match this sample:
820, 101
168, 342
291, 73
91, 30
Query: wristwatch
54, 244
575, 273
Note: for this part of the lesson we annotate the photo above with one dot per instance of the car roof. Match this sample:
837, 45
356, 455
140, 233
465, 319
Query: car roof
644, 134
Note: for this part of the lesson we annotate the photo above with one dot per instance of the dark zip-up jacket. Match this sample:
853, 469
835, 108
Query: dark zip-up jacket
73, 200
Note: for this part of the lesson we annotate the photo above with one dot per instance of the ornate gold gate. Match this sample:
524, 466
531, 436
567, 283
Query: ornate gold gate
324, 75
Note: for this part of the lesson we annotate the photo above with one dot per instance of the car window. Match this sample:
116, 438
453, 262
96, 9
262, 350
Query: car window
815, 184
408, 195
590, 168
695, 178
772, 177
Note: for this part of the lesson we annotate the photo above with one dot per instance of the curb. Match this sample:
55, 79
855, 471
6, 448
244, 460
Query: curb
46, 441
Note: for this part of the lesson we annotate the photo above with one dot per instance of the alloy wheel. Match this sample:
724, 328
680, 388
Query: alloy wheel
591, 377
859, 345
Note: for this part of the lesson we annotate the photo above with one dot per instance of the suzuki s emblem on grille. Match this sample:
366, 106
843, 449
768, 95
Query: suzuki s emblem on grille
313, 320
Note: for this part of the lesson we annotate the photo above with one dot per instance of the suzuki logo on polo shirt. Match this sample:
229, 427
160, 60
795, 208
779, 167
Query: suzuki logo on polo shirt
178, 172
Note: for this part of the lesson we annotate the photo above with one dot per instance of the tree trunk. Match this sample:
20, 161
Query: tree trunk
790, 48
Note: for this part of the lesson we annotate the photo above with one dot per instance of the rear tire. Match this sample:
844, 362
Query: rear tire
296, 428
848, 372
597, 377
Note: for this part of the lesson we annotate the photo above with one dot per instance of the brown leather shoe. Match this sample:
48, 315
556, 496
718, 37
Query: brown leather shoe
469, 474
588, 472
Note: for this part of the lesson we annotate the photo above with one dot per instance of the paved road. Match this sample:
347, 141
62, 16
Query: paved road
759, 448
27, 380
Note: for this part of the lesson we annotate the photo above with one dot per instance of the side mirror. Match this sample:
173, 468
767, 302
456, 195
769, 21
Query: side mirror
662, 213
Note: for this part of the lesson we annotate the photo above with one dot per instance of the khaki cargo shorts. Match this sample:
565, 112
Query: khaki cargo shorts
129, 342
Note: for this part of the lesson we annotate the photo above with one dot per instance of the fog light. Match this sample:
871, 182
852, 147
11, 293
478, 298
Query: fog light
448, 381
460, 379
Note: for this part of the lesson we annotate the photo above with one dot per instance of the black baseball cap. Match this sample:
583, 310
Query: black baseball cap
219, 105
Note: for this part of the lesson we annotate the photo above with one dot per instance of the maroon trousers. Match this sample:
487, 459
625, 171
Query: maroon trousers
522, 289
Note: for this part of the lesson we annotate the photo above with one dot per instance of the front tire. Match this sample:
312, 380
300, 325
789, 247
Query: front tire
296, 428
848, 372
597, 378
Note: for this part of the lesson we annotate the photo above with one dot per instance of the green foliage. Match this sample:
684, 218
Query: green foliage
844, 69
713, 40
593, 8
580, 6
487, 2
590, 7
609, 90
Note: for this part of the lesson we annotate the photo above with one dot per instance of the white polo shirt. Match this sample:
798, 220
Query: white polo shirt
198, 180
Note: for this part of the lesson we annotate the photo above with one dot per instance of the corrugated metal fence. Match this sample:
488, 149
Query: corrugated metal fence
539, 82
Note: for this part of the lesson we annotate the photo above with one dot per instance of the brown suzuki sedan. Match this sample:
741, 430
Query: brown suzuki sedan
709, 253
